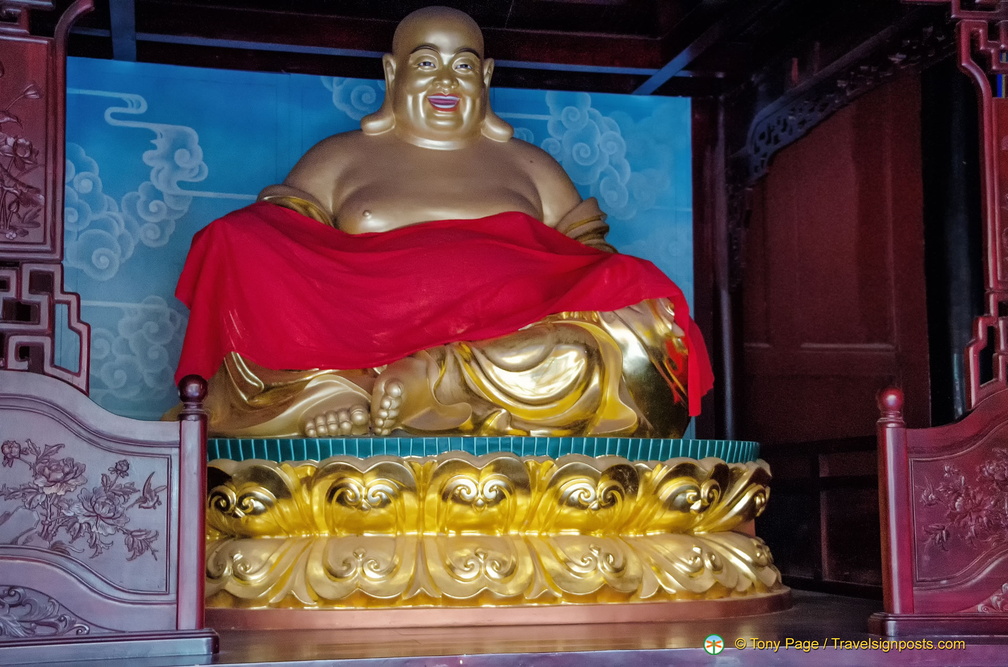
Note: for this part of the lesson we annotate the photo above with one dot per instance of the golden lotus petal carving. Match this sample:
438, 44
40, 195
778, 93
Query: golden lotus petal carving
495, 494
745, 497
461, 530
348, 496
579, 494
689, 564
466, 567
269, 573
256, 497
486, 495
690, 496
365, 571
378, 567
581, 567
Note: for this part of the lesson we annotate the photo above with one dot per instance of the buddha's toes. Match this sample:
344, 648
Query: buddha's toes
385, 406
403, 399
350, 420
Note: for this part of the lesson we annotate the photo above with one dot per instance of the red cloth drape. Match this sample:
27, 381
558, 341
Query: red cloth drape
287, 292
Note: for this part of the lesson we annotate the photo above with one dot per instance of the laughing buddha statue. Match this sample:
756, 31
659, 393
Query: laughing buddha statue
434, 276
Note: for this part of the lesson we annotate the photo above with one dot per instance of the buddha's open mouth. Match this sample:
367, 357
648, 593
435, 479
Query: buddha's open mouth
443, 102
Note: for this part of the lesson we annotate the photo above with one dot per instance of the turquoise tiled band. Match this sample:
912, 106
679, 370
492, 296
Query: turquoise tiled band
633, 449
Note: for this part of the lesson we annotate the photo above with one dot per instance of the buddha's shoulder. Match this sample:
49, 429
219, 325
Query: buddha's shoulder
534, 160
336, 153
342, 143
522, 149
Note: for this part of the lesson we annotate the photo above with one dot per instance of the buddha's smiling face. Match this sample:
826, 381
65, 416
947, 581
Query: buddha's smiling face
437, 79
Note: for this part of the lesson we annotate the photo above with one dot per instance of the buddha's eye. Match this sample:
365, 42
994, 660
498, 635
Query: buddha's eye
466, 67
426, 63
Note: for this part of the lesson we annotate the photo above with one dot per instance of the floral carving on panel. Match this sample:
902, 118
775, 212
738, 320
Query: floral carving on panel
20, 202
976, 512
68, 511
25, 612
995, 604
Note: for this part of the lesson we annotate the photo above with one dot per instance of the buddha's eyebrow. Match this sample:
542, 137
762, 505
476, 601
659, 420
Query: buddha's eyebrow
422, 47
464, 49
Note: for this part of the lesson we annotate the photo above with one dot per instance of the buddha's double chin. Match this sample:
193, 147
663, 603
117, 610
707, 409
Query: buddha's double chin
448, 143
427, 133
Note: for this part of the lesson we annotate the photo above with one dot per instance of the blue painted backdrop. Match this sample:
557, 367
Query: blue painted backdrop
154, 153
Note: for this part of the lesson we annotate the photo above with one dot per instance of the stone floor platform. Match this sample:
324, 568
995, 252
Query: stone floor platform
814, 617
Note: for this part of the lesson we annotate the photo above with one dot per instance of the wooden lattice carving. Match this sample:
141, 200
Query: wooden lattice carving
943, 491
30, 294
983, 47
32, 112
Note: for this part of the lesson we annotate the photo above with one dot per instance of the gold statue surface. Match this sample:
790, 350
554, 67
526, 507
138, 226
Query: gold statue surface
460, 530
435, 151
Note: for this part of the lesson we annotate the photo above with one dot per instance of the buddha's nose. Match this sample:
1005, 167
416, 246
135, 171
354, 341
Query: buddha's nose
446, 80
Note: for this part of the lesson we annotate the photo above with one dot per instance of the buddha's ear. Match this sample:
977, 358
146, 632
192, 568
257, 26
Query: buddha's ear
488, 65
382, 120
388, 63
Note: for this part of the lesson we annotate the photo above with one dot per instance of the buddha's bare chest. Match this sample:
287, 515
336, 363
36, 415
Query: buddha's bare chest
404, 192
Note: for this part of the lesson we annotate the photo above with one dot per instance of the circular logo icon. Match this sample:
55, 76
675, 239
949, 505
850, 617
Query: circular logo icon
713, 644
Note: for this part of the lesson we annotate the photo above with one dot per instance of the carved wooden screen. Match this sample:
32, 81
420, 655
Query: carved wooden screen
101, 517
944, 491
101, 527
32, 101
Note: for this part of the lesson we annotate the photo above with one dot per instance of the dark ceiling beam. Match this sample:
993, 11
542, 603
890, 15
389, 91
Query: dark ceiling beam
708, 25
122, 20
706, 30
584, 69
584, 49
174, 20
832, 52
272, 37
354, 53
160, 20
691, 37
186, 40
681, 61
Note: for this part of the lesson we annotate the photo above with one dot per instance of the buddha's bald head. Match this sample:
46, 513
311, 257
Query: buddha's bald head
418, 26
436, 82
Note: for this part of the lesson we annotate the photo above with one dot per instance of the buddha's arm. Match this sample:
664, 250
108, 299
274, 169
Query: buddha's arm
308, 188
563, 207
296, 200
557, 193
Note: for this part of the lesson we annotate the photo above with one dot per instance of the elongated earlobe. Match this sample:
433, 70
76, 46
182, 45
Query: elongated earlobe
382, 120
494, 127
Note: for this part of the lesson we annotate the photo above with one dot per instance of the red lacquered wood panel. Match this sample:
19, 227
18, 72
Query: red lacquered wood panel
831, 310
101, 522
944, 490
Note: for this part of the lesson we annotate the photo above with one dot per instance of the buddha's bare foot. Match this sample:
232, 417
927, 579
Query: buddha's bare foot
385, 410
403, 398
350, 420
